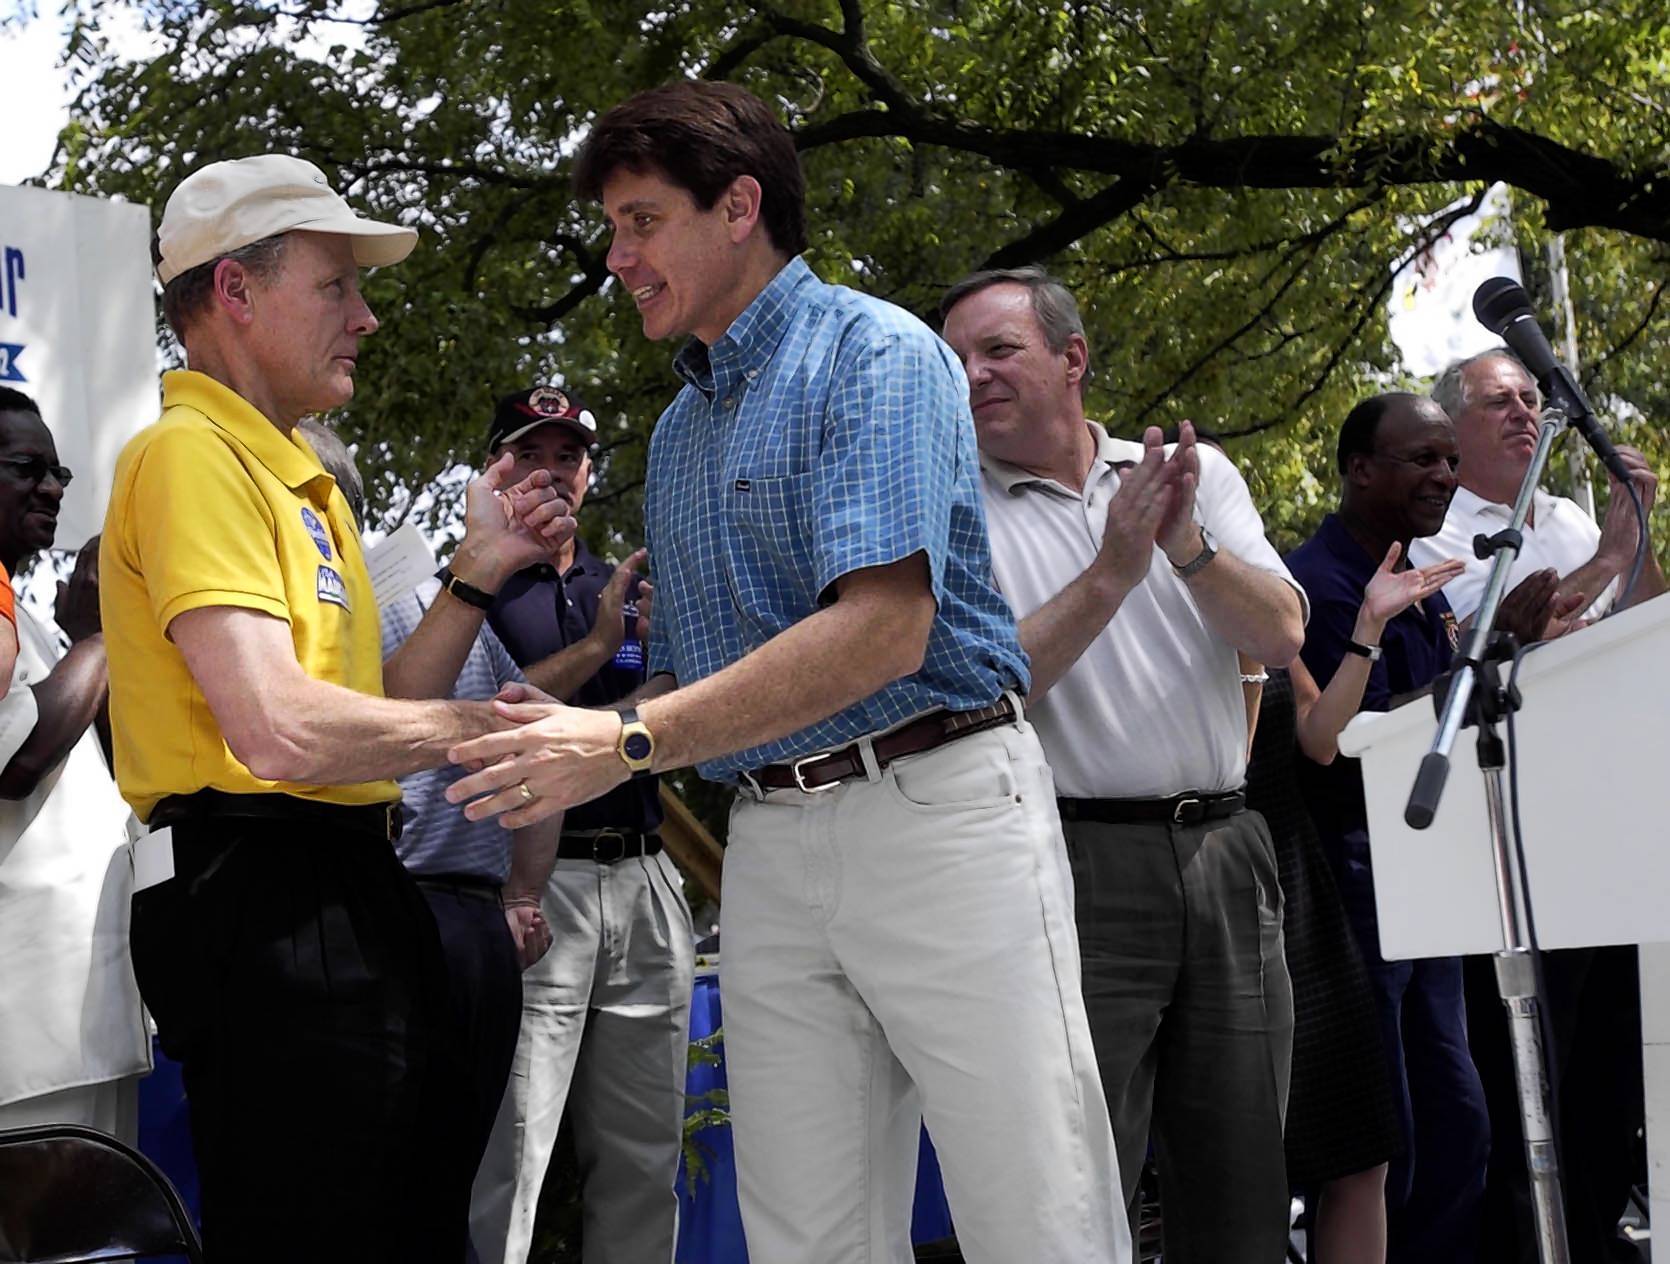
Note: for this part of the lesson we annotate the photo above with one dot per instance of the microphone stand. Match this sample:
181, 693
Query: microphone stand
1476, 695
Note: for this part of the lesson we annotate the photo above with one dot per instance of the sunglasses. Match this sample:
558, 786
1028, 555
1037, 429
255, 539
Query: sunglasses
34, 469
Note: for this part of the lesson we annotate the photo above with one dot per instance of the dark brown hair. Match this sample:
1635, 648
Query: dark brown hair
701, 136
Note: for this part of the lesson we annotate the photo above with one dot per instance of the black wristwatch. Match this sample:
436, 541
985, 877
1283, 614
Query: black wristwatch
1370, 652
469, 594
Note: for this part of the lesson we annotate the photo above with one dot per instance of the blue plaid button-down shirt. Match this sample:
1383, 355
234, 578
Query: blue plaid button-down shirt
825, 432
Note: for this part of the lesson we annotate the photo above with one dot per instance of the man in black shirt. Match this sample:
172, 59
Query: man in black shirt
606, 1012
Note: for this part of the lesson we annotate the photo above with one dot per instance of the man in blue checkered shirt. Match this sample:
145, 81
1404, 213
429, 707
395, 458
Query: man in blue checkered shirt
899, 937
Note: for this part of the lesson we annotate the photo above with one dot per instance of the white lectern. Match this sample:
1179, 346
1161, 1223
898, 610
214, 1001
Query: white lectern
1593, 755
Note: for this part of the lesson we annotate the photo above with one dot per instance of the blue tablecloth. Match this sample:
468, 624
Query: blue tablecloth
710, 1227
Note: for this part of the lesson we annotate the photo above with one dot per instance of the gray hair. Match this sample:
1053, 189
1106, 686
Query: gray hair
1053, 304
187, 296
333, 454
1449, 390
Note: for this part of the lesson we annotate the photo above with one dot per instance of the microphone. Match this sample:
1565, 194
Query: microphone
1502, 307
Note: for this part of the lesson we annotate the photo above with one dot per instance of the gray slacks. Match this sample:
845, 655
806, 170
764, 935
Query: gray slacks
1191, 1013
605, 1030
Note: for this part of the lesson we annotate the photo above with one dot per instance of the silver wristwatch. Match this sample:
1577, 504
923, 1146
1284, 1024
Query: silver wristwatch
1198, 563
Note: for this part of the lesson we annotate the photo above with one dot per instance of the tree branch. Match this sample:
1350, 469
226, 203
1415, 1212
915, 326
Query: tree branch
377, 19
1310, 244
1076, 221
853, 50
1365, 310
596, 269
1578, 189
1592, 372
746, 44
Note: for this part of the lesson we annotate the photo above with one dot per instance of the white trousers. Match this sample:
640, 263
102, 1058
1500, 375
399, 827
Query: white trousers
111, 1106
605, 1029
900, 949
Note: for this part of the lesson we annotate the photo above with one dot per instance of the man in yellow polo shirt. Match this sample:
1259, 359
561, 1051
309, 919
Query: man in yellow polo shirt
290, 963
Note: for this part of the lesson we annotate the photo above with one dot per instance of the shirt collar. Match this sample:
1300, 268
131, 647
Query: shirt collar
753, 336
1342, 546
1472, 505
585, 562
289, 458
1475, 506
1109, 451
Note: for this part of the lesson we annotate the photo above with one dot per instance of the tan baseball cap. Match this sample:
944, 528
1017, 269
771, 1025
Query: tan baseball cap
227, 205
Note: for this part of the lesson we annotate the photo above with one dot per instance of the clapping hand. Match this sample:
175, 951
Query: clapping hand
1149, 493
1179, 533
1390, 592
610, 626
1535, 610
508, 528
77, 606
1619, 530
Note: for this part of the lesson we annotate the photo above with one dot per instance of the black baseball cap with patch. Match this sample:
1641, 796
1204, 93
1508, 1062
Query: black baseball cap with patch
515, 415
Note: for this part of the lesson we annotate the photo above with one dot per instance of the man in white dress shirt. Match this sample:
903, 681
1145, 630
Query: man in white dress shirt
1496, 408
1592, 994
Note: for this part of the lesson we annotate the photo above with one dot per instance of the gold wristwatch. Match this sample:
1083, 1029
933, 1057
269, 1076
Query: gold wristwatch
636, 744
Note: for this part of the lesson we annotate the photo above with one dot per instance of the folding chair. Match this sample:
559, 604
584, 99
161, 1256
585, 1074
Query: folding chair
70, 1194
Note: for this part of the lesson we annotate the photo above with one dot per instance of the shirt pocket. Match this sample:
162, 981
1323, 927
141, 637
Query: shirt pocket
769, 547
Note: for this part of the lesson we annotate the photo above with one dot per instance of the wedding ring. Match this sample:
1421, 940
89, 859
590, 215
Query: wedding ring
528, 795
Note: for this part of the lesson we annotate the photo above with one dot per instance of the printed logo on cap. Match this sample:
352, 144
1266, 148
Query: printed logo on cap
547, 401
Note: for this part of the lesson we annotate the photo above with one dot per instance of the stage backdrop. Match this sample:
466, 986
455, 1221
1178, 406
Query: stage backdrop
78, 332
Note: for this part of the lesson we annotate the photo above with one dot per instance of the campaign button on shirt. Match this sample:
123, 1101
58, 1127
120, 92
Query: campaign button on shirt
316, 529
331, 588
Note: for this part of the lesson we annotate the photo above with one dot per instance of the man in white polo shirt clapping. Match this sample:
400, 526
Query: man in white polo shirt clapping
1138, 575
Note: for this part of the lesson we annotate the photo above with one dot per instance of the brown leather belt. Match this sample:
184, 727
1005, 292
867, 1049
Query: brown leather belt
825, 772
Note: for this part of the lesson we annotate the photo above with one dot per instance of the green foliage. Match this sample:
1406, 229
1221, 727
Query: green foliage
1228, 186
711, 1109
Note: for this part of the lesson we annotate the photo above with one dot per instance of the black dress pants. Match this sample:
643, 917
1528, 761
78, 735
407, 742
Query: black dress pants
484, 990
295, 973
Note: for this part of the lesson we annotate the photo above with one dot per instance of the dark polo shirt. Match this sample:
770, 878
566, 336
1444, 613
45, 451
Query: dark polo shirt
539, 612
1418, 645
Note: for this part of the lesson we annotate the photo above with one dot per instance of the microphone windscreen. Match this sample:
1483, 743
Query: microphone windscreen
1499, 302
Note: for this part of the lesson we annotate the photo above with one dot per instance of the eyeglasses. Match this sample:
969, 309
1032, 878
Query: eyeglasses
1425, 461
34, 469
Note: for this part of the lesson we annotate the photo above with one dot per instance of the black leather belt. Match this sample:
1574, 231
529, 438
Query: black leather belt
1180, 809
381, 820
463, 886
825, 772
606, 846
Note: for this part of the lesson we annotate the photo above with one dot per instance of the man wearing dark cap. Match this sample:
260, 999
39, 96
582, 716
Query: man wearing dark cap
606, 1012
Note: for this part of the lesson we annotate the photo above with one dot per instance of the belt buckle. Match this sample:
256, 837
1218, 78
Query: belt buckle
800, 777
1186, 808
597, 851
